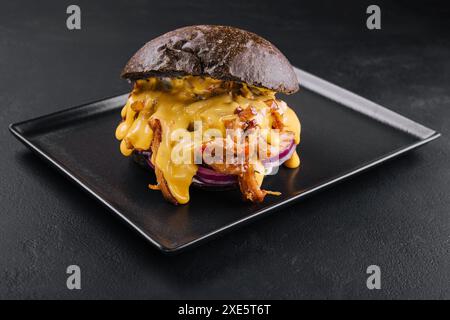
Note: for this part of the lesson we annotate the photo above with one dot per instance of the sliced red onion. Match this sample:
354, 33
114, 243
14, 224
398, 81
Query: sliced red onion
204, 176
282, 157
208, 177
148, 159
197, 179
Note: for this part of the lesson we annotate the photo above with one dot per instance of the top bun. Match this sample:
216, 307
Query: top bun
219, 52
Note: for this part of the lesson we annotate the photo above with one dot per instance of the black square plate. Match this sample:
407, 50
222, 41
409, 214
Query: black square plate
342, 134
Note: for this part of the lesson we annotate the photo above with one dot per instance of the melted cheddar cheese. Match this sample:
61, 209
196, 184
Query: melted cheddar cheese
178, 103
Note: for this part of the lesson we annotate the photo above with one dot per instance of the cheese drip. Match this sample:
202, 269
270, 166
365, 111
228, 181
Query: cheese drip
179, 102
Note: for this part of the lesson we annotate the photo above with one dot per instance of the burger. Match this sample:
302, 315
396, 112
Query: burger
203, 111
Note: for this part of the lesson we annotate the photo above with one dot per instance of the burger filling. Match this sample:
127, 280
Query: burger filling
192, 122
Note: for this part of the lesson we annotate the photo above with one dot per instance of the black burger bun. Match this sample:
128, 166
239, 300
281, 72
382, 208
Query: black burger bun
219, 52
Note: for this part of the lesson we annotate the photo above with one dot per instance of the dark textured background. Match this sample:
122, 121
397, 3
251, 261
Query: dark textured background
395, 216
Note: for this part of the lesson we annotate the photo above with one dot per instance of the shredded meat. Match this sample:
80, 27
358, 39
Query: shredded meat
276, 114
245, 172
246, 175
155, 124
249, 186
247, 113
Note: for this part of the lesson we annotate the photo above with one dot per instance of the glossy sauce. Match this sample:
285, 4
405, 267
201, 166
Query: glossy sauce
177, 103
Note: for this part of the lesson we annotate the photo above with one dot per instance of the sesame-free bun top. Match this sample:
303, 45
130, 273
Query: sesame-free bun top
219, 52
